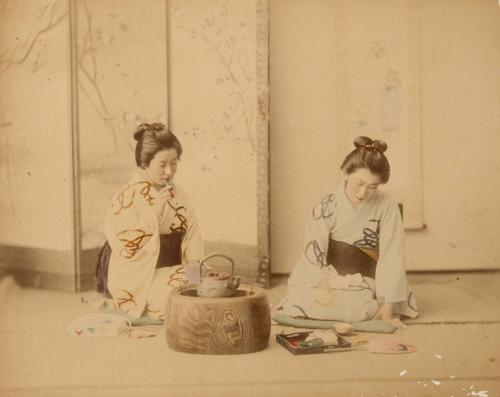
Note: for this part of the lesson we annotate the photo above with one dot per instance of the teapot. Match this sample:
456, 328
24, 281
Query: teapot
215, 284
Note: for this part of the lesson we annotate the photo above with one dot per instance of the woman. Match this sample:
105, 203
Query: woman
353, 265
150, 228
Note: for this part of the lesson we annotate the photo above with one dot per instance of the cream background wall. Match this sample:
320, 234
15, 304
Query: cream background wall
460, 135
302, 120
452, 114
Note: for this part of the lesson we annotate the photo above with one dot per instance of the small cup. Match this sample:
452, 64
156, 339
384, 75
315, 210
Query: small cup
192, 270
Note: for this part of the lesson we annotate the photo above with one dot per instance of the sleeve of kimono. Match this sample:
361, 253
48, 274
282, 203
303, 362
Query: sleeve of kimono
192, 244
309, 269
131, 229
390, 279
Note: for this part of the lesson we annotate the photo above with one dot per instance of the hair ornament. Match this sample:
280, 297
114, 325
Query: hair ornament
375, 146
155, 127
370, 146
142, 128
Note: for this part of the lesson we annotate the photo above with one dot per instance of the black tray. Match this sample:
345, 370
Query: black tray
291, 342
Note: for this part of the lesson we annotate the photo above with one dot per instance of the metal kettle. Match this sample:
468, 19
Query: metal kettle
214, 284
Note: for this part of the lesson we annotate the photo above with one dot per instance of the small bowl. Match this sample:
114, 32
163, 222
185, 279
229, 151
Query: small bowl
343, 328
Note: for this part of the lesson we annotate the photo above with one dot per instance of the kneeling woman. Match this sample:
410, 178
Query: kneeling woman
150, 229
353, 264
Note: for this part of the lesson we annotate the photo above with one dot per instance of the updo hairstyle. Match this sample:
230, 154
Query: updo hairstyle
368, 154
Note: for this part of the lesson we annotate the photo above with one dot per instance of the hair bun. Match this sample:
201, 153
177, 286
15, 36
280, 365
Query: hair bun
141, 128
367, 143
381, 146
362, 141
139, 131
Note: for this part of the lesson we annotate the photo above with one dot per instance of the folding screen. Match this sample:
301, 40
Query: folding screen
77, 77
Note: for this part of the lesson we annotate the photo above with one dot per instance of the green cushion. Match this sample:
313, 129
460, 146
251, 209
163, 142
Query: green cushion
144, 320
378, 326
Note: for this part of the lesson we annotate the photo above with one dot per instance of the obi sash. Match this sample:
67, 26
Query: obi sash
349, 259
170, 250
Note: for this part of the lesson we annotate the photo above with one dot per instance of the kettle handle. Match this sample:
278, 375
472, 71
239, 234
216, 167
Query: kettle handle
212, 256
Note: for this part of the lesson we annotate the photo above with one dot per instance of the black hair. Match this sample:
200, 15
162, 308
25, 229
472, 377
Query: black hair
368, 154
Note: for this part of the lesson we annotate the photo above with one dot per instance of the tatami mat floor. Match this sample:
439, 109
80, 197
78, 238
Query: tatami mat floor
456, 336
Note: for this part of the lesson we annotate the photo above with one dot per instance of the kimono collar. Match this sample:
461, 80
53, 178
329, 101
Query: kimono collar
342, 199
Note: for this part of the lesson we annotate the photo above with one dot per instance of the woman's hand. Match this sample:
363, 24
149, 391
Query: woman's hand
164, 194
385, 313
160, 200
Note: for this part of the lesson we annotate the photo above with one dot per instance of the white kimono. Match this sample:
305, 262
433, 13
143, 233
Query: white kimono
132, 227
376, 229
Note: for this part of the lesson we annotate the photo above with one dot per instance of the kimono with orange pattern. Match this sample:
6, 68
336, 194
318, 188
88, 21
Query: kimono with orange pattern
138, 214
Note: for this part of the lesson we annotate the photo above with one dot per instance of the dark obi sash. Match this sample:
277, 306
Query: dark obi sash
349, 259
170, 255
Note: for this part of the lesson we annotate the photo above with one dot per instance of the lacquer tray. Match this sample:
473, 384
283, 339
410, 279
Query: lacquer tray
292, 342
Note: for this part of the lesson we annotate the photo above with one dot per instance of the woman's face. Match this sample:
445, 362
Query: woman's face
162, 167
361, 186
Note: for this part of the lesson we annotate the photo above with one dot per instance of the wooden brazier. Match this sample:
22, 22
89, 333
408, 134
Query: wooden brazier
227, 325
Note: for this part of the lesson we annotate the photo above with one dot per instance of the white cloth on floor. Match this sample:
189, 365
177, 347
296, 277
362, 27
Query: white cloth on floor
98, 325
